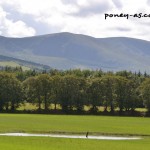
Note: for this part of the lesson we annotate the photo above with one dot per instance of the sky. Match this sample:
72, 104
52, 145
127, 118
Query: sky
22, 18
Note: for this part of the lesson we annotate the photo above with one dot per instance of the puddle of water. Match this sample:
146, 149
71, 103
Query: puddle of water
71, 136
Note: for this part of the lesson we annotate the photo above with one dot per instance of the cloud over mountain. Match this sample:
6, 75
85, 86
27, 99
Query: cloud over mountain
29, 18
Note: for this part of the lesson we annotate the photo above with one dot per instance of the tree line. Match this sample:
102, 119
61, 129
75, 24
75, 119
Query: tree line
121, 91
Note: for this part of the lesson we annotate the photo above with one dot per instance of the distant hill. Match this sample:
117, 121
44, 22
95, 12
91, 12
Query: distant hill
67, 50
26, 65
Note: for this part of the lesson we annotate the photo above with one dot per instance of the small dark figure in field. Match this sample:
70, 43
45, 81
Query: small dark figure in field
87, 134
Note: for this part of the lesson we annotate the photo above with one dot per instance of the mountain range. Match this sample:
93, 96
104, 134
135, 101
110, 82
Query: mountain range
70, 51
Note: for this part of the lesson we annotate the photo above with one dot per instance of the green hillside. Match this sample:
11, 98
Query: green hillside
26, 65
70, 51
13, 64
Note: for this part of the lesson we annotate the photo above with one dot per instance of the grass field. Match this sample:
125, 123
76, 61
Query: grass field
75, 124
37, 143
13, 64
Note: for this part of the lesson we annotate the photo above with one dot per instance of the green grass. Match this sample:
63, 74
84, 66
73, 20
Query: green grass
42, 143
13, 64
67, 123
30, 106
74, 124
141, 109
27, 106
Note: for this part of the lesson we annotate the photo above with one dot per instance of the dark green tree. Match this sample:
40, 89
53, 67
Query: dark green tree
96, 94
145, 93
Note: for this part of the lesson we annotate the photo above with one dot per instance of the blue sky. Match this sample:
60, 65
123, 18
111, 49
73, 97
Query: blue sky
21, 18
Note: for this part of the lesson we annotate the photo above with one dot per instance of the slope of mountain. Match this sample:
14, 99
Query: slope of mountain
26, 65
67, 50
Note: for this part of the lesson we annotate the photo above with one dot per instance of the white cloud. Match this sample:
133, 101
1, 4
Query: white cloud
77, 16
13, 28
19, 29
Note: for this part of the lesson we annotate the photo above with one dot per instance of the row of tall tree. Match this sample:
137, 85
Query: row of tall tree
74, 89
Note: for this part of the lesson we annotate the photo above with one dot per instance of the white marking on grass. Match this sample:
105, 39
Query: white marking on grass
71, 136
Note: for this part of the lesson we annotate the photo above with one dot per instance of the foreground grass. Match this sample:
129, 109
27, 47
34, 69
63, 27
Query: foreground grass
74, 124
68, 123
38, 143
